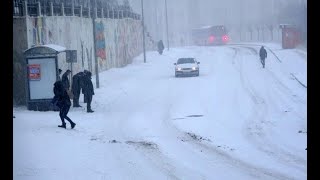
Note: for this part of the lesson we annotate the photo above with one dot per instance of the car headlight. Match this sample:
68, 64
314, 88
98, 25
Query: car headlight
194, 68
178, 68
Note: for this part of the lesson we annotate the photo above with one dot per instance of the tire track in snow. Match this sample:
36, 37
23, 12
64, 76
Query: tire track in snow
252, 50
235, 54
153, 156
160, 160
255, 126
298, 80
156, 157
248, 46
286, 89
272, 151
216, 153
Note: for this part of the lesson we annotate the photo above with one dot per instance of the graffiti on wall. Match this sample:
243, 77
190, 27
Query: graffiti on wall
123, 41
100, 41
39, 31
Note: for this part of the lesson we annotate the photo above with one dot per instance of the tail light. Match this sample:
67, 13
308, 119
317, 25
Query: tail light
225, 38
211, 39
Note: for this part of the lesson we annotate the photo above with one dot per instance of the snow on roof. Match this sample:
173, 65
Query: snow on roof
51, 46
210, 26
286, 25
55, 47
204, 27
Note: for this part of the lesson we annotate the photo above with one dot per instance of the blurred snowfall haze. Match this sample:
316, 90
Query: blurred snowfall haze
236, 15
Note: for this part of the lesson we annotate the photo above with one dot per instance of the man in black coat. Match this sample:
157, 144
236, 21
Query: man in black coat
88, 90
65, 79
263, 55
62, 100
77, 85
84, 96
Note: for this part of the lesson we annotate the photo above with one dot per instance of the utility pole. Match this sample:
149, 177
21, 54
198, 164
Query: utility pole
165, 1
143, 35
94, 42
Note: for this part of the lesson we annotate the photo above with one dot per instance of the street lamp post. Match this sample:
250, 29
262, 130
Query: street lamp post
93, 18
143, 35
167, 24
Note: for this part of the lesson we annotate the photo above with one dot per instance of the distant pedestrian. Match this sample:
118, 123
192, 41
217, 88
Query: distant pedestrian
88, 90
160, 47
263, 55
62, 100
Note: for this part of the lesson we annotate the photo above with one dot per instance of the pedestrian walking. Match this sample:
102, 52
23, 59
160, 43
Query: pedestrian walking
62, 100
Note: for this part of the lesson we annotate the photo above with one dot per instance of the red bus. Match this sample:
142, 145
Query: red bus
210, 35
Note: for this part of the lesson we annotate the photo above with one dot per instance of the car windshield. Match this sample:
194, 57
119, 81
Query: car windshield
185, 60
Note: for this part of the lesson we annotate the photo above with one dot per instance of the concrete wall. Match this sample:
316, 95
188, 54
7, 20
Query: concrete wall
20, 43
117, 42
74, 33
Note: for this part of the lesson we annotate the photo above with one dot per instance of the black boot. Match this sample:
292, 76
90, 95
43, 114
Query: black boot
63, 125
90, 111
72, 125
76, 102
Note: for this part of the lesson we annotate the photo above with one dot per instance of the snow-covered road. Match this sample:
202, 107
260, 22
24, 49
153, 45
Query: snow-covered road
235, 121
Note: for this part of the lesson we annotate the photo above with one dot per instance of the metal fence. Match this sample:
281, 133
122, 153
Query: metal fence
80, 8
18, 8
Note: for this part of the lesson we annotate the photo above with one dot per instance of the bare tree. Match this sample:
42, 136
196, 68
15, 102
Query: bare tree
270, 27
258, 29
250, 29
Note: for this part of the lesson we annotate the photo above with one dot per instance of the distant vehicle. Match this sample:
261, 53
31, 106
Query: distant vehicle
210, 35
186, 66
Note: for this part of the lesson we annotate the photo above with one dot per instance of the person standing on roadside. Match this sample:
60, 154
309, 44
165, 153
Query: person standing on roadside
263, 56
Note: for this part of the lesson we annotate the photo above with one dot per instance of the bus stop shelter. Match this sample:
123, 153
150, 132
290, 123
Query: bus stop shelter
42, 73
290, 36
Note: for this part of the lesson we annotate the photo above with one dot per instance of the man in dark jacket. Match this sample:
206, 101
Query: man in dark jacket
77, 85
160, 47
88, 90
65, 80
263, 55
84, 96
61, 99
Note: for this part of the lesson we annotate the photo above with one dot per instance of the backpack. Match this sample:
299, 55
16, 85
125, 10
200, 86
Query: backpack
57, 90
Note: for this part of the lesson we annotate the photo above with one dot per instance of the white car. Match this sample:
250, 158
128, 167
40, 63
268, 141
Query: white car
186, 66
